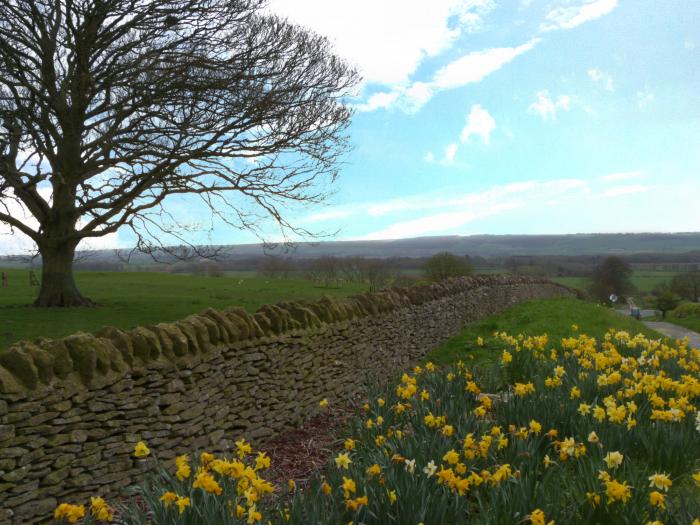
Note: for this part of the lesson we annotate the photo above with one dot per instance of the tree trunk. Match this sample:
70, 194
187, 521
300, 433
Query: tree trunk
58, 288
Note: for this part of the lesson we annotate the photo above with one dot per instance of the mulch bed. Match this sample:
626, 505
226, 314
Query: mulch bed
296, 454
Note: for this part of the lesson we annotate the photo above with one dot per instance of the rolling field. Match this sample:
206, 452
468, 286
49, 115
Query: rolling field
643, 280
130, 299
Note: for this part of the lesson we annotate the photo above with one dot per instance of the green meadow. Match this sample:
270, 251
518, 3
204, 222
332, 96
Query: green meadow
129, 299
126, 300
643, 280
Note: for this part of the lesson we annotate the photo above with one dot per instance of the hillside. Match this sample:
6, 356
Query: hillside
473, 245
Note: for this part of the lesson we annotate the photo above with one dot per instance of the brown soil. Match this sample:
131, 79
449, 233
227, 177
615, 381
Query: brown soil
297, 453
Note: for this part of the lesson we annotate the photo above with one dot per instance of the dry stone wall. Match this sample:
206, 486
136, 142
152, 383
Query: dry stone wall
72, 409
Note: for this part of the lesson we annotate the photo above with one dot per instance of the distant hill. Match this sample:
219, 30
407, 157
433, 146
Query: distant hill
473, 245
495, 245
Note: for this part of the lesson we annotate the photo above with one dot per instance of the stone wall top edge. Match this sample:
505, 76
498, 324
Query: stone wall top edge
100, 359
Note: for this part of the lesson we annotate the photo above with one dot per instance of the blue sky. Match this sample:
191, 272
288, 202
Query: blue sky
481, 116
505, 116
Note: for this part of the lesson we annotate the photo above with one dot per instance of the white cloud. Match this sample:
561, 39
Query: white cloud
479, 122
645, 97
416, 96
568, 17
450, 212
378, 100
450, 152
471, 68
475, 66
431, 224
626, 190
547, 108
336, 213
388, 40
448, 156
557, 206
597, 76
621, 175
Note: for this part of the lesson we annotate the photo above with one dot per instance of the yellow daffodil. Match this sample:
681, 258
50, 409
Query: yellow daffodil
348, 486
141, 450
616, 491
71, 513
660, 481
613, 459
657, 499
537, 518
343, 460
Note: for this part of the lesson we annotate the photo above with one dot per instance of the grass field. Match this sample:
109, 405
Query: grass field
551, 316
644, 280
130, 299
141, 298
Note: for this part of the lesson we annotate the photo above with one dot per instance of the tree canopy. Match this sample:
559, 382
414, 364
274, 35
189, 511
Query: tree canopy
108, 108
611, 276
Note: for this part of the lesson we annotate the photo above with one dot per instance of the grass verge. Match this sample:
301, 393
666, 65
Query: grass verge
551, 316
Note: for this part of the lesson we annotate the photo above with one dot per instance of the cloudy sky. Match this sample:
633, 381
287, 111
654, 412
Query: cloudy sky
520, 116
511, 116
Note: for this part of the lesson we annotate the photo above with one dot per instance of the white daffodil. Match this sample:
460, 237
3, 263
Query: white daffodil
410, 465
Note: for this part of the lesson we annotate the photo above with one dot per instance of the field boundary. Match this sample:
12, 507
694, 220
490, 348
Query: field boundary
72, 409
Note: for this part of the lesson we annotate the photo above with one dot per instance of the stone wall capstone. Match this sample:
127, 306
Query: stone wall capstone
72, 409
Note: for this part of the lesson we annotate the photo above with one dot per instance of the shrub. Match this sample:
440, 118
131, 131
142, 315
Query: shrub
444, 265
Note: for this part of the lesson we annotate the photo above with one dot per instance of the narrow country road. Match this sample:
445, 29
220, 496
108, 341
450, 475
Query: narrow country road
675, 331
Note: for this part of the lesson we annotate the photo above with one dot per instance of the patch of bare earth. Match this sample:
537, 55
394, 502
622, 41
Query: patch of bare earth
296, 454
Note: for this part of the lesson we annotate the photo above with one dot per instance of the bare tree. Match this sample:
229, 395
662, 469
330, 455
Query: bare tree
687, 285
276, 267
325, 271
378, 273
108, 108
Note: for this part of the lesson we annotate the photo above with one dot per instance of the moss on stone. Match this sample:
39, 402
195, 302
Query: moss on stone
263, 322
190, 334
238, 317
178, 340
302, 315
200, 331
62, 362
166, 343
213, 332
43, 361
120, 340
225, 326
21, 365
81, 348
103, 361
279, 319
145, 343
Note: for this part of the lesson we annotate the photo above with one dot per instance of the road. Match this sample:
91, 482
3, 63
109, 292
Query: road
642, 313
675, 332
